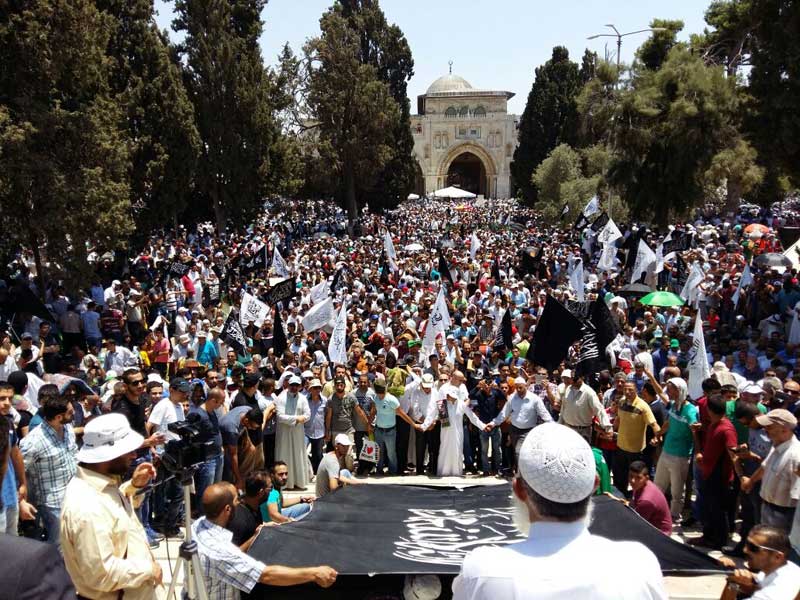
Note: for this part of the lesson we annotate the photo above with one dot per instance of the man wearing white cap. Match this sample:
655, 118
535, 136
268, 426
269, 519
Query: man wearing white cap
525, 410
560, 558
106, 551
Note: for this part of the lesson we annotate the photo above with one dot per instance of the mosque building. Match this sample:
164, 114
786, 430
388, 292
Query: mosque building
464, 137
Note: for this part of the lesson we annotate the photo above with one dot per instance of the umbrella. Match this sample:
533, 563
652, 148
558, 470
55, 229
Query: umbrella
322, 235
635, 289
756, 227
413, 197
662, 299
415, 247
447, 244
773, 259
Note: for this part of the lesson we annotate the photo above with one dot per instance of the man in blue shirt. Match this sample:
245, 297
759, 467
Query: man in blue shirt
13, 504
489, 399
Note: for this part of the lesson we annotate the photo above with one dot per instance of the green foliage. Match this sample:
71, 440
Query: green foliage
560, 179
654, 51
354, 109
549, 118
596, 104
232, 95
730, 38
775, 87
158, 116
669, 127
64, 184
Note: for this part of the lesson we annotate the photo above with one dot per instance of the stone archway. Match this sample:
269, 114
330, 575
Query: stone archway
470, 167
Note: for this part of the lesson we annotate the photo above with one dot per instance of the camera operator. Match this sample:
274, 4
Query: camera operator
105, 546
225, 567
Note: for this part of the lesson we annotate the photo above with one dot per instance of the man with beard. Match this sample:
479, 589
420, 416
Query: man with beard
551, 495
48, 453
106, 551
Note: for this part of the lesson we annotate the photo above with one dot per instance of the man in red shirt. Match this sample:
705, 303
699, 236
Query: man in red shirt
716, 469
648, 500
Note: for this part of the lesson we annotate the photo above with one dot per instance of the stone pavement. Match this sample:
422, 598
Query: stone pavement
679, 588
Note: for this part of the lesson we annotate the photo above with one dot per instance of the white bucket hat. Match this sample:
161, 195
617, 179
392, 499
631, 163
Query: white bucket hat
108, 437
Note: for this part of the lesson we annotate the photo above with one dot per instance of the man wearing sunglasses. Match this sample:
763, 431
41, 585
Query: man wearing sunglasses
770, 576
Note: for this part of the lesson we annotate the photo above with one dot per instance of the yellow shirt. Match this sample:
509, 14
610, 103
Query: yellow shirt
634, 418
98, 530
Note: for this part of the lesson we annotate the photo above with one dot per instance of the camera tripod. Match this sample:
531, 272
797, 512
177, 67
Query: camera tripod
187, 554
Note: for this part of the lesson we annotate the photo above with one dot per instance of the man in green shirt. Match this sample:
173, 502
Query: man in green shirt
752, 394
676, 454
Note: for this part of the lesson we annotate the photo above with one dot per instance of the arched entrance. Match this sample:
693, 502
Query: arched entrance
467, 172
469, 166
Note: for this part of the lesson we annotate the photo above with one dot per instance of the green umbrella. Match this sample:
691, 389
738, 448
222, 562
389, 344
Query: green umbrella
662, 299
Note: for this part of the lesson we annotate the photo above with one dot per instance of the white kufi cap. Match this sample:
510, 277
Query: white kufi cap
557, 463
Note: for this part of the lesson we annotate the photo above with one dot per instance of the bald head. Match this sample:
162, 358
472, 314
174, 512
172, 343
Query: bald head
216, 497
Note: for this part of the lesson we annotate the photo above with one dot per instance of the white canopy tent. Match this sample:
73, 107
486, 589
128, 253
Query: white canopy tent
452, 193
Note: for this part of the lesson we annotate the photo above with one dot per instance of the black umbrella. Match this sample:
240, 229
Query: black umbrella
635, 289
772, 259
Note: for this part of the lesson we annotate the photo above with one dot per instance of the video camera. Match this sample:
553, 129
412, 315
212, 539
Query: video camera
194, 447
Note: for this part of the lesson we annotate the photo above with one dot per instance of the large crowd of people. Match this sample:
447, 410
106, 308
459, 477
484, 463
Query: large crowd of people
685, 438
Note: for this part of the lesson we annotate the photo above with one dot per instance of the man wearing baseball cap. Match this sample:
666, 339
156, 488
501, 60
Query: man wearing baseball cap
105, 548
335, 469
551, 496
780, 488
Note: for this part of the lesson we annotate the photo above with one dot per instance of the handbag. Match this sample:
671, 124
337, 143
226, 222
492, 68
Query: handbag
370, 451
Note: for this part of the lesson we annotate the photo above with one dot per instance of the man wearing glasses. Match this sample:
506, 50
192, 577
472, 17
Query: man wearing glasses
770, 576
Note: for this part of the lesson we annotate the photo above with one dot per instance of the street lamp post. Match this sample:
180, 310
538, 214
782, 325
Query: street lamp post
619, 37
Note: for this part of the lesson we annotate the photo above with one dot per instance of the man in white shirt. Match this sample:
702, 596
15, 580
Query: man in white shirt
551, 496
770, 576
580, 406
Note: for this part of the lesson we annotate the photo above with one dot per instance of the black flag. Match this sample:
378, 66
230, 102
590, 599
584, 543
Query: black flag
581, 222
257, 262
444, 270
504, 337
496, 271
679, 241
564, 211
233, 334
337, 279
279, 342
21, 299
281, 292
600, 222
556, 331
680, 274
531, 260
598, 331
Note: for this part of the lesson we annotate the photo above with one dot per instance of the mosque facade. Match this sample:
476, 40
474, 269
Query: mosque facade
464, 137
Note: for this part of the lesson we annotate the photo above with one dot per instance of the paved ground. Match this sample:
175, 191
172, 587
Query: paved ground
679, 588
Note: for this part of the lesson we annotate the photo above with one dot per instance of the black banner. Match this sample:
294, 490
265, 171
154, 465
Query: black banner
556, 331
418, 530
233, 334
257, 262
178, 269
581, 222
496, 271
504, 337
444, 270
337, 279
680, 242
280, 292
211, 294
598, 331
21, 299
600, 222
279, 341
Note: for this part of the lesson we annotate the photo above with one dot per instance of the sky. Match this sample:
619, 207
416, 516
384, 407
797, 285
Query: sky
493, 44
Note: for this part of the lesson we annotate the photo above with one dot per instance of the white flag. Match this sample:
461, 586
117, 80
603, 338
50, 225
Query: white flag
319, 316
337, 347
699, 370
252, 309
794, 330
695, 278
645, 259
609, 234
592, 207
745, 280
279, 265
388, 245
320, 291
474, 246
576, 280
608, 258
438, 322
